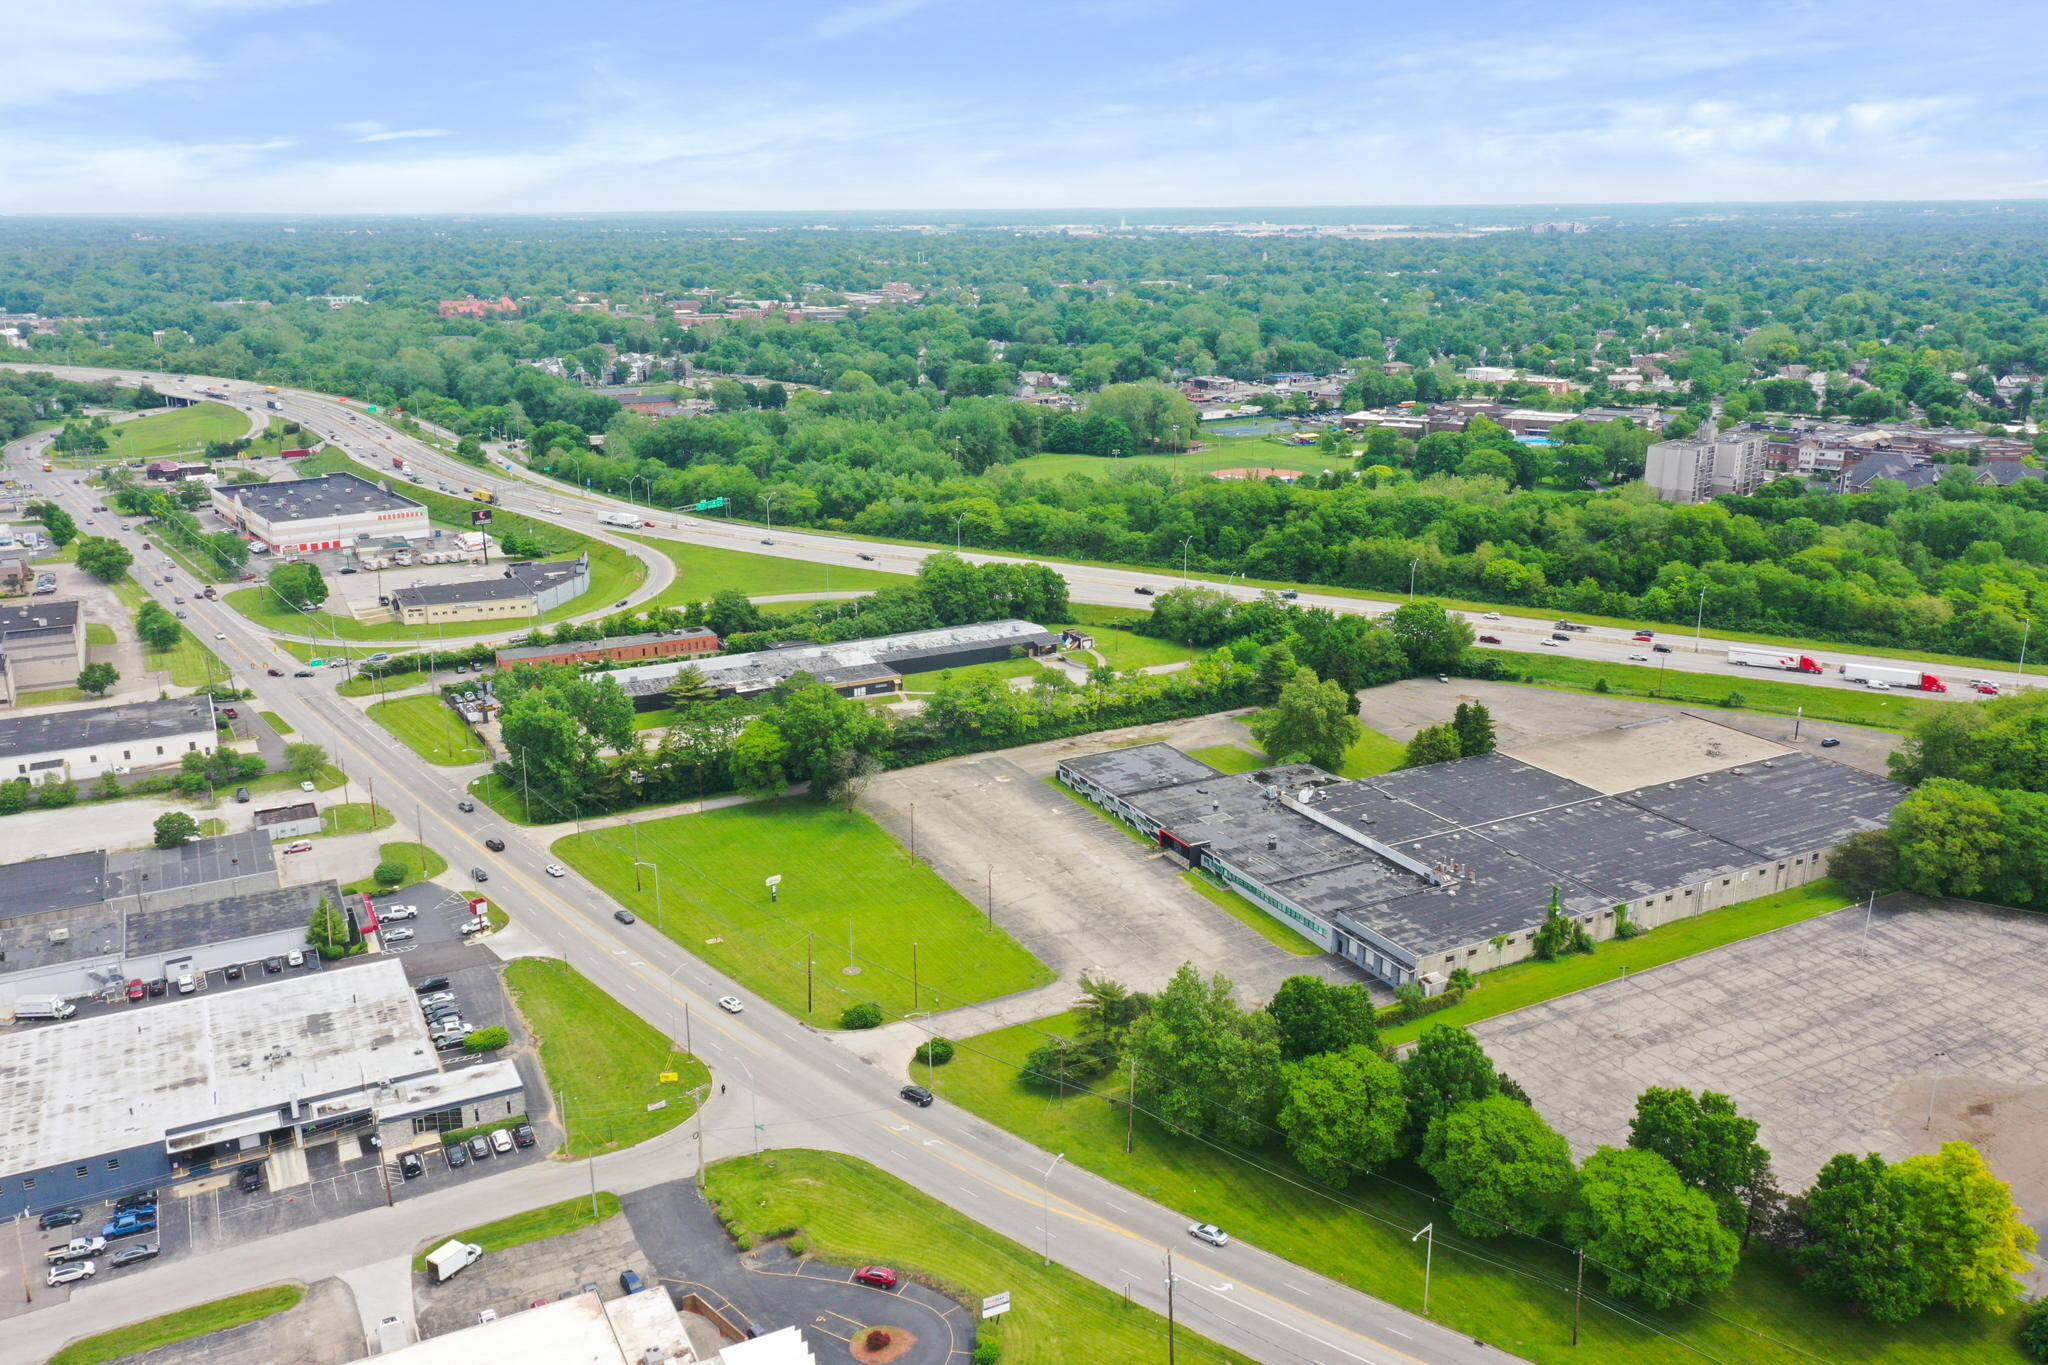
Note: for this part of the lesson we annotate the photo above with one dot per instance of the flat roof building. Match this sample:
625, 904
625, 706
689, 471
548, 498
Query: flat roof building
1419, 872
690, 641
853, 668
42, 645
530, 588
327, 512
218, 1079
54, 745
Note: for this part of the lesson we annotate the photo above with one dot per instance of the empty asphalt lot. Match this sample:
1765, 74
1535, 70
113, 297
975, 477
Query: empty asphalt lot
1926, 1030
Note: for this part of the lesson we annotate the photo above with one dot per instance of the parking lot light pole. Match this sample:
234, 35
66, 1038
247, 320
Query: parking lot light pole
1428, 1260
1045, 1204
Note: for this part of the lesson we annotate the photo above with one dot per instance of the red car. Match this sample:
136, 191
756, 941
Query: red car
1489, 639
1988, 689
136, 990
875, 1277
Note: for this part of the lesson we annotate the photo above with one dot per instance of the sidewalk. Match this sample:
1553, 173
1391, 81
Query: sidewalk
893, 1047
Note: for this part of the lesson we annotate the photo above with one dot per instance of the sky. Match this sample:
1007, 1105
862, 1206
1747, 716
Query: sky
456, 106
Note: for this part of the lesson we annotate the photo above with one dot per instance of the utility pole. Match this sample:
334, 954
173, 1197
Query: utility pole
1131, 1105
810, 964
28, 1292
913, 831
1170, 1342
913, 977
991, 895
1578, 1297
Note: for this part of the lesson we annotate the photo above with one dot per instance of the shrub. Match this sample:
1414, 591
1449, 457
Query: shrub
866, 1015
1734, 701
391, 872
876, 1340
987, 1351
937, 1052
487, 1039
1600, 685
2034, 1330
796, 1246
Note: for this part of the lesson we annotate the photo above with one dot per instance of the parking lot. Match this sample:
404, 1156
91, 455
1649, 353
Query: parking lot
1920, 1029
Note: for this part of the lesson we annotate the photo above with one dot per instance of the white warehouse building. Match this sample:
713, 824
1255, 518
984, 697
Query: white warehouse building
54, 745
330, 512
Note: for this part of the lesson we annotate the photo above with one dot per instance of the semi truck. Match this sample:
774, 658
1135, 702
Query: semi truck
1567, 625
619, 519
1869, 674
1792, 661
44, 1007
444, 1260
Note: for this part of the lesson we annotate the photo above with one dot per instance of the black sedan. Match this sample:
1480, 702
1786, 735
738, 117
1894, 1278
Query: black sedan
495, 845
624, 917
477, 874
60, 1218
130, 1255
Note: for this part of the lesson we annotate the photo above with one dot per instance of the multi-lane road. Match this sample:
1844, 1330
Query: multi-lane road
523, 490
784, 1084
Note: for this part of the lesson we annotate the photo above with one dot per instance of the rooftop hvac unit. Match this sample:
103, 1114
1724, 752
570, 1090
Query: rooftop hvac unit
1272, 843
60, 936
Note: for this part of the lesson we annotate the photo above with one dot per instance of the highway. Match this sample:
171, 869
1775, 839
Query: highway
522, 490
786, 1085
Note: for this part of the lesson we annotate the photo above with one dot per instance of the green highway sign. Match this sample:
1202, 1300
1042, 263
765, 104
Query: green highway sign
708, 504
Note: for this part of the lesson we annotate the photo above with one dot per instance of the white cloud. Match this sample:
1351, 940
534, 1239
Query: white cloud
63, 52
864, 14
403, 134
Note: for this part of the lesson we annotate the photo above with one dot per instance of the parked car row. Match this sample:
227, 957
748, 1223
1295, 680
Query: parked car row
499, 1142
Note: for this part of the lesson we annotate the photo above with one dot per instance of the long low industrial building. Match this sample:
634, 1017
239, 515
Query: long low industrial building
328, 512
1417, 873
853, 668
529, 588
109, 1103
55, 745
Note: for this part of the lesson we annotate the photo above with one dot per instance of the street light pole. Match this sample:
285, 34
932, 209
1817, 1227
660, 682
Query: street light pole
1699, 621
1428, 1261
1413, 564
1045, 1204
2026, 626
657, 891
1185, 543
1933, 1090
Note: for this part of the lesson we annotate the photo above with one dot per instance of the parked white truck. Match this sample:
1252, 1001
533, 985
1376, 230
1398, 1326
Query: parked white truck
1791, 660
77, 1249
1871, 674
444, 1260
619, 519
44, 1007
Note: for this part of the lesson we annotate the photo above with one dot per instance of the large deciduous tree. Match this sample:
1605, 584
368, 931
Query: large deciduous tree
1312, 719
1343, 1112
1206, 1065
298, 584
1655, 1238
1502, 1167
1446, 1068
1315, 1016
1858, 1245
1963, 1228
1711, 1145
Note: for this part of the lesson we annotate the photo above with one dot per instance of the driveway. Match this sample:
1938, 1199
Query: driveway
769, 1288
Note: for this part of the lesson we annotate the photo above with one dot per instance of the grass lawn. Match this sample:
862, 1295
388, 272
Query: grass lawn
1000, 668
654, 720
1253, 918
430, 729
329, 778
705, 570
174, 432
277, 722
1254, 453
1125, 649
605, 1065
372, 687
183, 1325
356, 817
191, 663
850, 1213
100, 633
843, 878
51, 696
1372, 755
534, 1225
1511, 1292
1526, 983
1760, 692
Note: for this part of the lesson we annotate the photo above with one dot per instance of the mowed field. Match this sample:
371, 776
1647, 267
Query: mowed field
180, 429
703, 571
430, 730
1256, 453
849, 892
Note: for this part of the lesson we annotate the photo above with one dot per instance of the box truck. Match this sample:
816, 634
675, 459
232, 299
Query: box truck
44, 1007
1792, 661
444, 1260
619, 519
1870, 674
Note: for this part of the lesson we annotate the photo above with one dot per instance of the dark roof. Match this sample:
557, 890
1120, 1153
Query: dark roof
166, 929
1465, 791
217, 859
54, 730
44, 884
48, 613
286, 815
1779, 807
326, 495
518, 580
1139, 768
